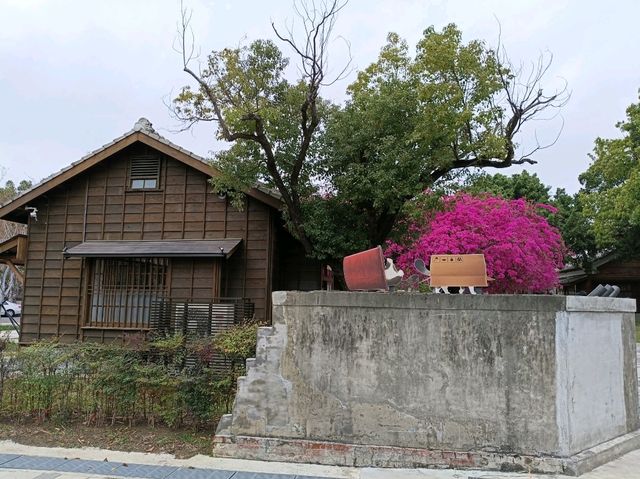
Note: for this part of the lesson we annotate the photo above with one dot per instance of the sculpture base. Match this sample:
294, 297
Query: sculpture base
359, 455
511, 382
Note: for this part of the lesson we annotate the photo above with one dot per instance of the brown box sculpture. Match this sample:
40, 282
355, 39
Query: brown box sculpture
459, 270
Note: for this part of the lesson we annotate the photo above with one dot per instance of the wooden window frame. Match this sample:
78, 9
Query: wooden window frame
121, 291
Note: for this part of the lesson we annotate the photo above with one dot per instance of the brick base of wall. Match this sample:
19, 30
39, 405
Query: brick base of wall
357, 455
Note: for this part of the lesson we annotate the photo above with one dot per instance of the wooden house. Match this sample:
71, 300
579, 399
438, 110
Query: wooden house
131, 238
610, 269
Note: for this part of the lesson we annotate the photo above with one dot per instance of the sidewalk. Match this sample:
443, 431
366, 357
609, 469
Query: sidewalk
27, 462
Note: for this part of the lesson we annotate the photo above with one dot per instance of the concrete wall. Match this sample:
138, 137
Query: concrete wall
596, 382
509, 374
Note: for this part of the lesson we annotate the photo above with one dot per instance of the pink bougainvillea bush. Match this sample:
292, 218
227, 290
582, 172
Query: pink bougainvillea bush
522, 250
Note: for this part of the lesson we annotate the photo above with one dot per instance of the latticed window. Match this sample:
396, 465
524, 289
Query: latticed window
144, 172
124, 292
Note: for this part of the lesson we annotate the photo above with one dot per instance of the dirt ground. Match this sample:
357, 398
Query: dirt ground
182, 443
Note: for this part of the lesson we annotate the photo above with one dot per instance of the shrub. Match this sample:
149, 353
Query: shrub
238, 342
168, 380
523, 252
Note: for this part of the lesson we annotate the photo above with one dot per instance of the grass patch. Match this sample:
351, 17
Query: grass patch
184, 443
11, 348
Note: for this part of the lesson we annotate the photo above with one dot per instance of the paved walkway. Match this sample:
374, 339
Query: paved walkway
53, 467
44, 467
31, 463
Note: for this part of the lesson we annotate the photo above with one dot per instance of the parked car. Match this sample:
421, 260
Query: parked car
11, 309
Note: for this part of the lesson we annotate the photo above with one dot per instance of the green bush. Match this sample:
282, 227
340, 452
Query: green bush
167, 380
238, 342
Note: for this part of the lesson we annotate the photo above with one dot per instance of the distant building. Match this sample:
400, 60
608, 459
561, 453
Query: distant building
610, 269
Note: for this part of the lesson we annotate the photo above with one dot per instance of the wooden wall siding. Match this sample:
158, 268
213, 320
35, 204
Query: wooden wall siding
253, 224
621, 270
628, 288
195, 279
622, 273
97, 205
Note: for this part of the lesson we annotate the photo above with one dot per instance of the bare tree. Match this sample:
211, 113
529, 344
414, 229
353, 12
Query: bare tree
219, 98
525, 99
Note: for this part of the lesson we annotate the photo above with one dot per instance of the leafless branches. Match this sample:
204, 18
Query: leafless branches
317, 22
527, 101
10, 287
217, 95
522, 100
185, 36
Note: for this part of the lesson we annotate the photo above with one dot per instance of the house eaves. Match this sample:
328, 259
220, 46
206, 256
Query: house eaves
141, 132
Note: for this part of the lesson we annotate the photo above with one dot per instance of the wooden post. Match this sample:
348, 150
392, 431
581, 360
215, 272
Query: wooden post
21, 250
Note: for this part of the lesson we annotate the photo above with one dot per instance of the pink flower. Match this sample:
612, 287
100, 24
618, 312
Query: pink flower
522, 250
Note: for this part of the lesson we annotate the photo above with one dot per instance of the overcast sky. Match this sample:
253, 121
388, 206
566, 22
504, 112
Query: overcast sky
74, 74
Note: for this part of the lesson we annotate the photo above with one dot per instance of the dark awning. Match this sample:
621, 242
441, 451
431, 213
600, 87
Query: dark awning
221, 248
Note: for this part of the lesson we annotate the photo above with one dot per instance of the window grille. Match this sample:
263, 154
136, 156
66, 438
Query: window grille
123, 292
144, 173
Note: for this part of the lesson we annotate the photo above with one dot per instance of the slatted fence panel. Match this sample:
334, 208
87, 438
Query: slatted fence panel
201, 319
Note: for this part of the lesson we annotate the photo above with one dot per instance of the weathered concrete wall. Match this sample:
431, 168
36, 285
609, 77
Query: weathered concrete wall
596, 394
529, 375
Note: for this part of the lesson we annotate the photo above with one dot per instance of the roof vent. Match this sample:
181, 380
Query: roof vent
144, 125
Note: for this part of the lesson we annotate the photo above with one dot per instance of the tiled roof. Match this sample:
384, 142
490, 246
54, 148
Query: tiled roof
143, 126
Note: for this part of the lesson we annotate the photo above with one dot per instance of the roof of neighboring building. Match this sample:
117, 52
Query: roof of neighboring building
571, 274
143, 132
12, 249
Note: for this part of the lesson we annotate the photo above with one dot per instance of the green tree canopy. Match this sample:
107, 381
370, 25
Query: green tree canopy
576, 228
345, 172
611, 187
9, 191
520, 185
274, 125
411, 121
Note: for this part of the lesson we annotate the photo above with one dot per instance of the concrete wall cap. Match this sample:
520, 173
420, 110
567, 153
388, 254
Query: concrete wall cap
595, 304
486, 302
278, 297
376, 300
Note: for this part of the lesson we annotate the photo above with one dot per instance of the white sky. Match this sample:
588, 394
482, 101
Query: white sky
74, 74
